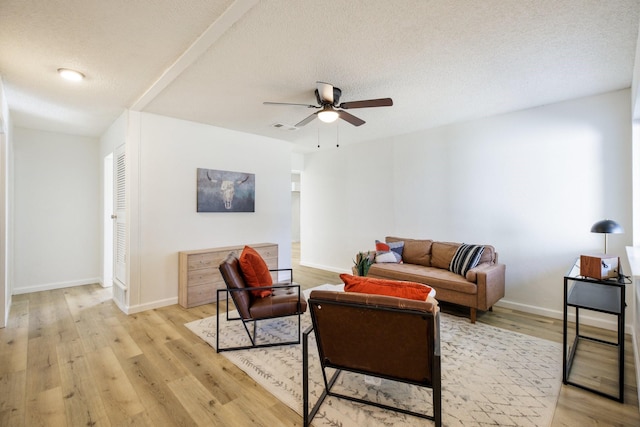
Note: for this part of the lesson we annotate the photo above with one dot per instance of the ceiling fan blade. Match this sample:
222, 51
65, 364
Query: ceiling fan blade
325, 91
351, 118
290, 103
307, 120
381, 102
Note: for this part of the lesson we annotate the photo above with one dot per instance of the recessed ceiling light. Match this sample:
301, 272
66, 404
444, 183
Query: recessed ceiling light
69, 74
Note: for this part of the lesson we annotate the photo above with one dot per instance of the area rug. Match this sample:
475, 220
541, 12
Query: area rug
490, 376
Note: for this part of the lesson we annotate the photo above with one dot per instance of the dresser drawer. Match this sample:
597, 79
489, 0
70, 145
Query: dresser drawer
199, 276
202, 294
198, 261
205, 275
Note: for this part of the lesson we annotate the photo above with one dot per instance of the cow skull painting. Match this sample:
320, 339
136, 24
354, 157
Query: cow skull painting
224, 191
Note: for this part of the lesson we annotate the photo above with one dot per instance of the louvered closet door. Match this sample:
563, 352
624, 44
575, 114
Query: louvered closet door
120, 223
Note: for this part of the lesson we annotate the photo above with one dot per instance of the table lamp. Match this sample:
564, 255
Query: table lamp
606, 226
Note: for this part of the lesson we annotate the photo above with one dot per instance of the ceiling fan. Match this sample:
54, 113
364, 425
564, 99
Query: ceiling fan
328, 97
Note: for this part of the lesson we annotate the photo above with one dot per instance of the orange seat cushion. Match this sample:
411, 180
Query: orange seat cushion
393, 288
255, 271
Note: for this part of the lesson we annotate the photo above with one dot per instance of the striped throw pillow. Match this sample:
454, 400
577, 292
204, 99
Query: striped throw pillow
465, 258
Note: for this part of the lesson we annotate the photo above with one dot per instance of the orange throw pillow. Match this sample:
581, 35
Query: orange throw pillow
255, 271
392, 288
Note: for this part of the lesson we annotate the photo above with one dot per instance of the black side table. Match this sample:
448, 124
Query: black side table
604, 296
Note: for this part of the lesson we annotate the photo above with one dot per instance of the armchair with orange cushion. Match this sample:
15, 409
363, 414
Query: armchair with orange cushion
388, 337
256, 297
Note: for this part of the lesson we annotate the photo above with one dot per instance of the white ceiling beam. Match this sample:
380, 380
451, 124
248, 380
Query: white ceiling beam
230, 16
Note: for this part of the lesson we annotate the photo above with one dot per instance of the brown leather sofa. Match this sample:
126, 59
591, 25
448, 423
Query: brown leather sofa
427, 261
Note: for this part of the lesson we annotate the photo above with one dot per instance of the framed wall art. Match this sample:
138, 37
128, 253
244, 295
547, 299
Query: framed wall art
225, 191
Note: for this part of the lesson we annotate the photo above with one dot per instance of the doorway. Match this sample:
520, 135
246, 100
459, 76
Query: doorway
295, 207
107, 271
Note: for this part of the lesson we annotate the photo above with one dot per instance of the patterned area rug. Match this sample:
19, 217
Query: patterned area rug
490, 376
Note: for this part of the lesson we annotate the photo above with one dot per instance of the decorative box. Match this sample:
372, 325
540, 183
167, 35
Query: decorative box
599, 266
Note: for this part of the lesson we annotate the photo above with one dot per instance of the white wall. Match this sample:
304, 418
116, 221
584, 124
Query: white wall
165, 220
531, 183
6, 217
346, 200
57, 199
114, 136
635, 288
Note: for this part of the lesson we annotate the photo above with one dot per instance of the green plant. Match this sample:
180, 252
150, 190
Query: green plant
362, 262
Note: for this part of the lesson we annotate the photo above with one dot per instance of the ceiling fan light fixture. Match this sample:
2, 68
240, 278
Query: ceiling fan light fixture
71, 75
328, 115
328, 98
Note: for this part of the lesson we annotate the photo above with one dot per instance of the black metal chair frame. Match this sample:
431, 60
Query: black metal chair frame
328, 383
253, 338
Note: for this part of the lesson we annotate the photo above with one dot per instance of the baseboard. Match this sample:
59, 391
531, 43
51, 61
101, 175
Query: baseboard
150, 305
105, 284
57, 285
325, 267
121, 306
8, 307
585, 318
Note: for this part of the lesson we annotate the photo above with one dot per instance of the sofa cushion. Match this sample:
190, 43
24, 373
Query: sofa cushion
255, 271
465, 258
389, 252
415, 251
442, 254
437, 278
488, 255
392, 288
284, 301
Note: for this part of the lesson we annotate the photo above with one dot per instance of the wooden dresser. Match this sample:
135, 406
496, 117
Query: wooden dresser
199, 277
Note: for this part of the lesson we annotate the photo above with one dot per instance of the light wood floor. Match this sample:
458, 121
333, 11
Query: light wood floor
70, 357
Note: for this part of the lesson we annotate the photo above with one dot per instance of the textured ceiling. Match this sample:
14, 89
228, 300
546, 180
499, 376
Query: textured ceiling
441, 61
122, 47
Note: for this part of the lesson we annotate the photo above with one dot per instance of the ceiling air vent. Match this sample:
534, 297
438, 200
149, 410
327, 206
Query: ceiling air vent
283, 126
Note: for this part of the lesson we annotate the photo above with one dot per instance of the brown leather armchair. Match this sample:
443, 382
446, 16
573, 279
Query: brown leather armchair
285, 300
387, 337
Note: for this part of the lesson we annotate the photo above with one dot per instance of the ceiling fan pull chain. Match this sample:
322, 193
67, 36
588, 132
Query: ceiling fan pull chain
337, 134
